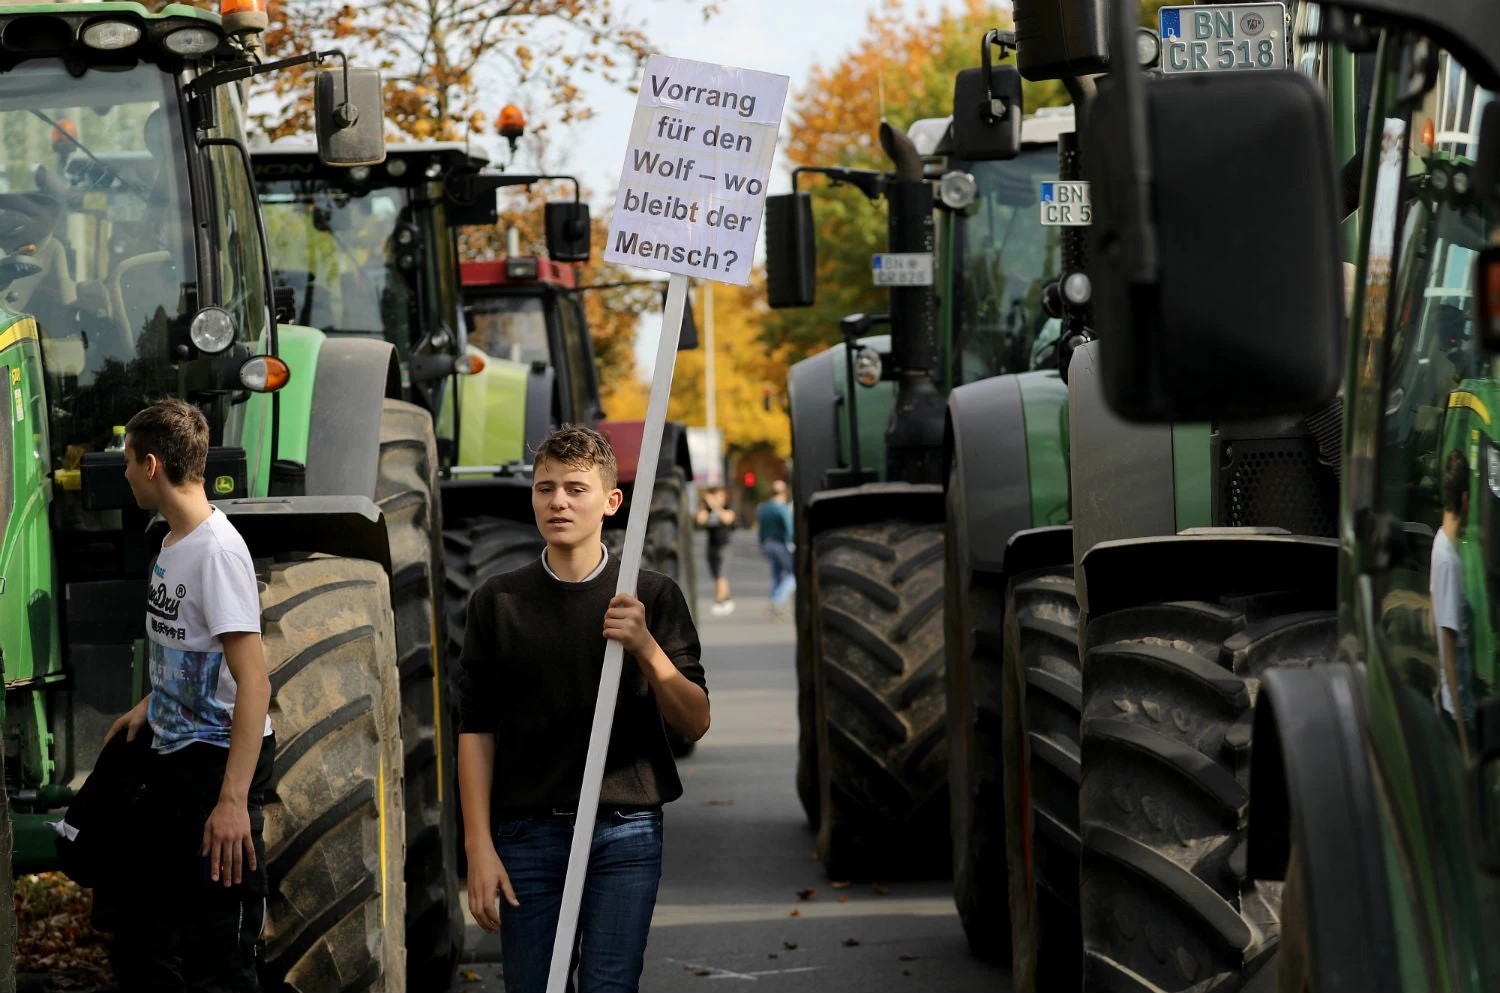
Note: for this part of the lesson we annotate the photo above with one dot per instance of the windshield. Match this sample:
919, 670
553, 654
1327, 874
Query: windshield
337, 250
1005, 257
96, 238
510, 327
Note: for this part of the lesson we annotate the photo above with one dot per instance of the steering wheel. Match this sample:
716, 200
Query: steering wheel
117, 295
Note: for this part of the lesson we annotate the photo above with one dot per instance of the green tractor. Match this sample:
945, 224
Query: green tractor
870, 456
1281, 777
135, 267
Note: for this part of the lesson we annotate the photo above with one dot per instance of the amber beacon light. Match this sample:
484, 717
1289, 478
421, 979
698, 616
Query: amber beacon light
243, 16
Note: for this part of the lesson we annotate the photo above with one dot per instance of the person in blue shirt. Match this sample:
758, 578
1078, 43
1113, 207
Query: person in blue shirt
773, 520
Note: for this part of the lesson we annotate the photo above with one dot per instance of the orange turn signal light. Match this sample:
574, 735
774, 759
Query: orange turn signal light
264, 374
241, 7
64, 130
469, 365
512, 122
1429, 133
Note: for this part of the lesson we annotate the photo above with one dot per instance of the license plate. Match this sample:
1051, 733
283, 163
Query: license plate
1066, 205
902, 269
1223, 37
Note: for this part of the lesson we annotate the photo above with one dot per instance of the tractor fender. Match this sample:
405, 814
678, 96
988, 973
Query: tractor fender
1310, 780
1036, 548
914, 502
1124, 573
815, 434
348, 526
1122, 472
354, 377
540, 383
989, 466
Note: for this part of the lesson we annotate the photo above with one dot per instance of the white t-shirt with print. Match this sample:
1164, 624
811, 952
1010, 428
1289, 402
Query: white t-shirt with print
201, 587
1448, 608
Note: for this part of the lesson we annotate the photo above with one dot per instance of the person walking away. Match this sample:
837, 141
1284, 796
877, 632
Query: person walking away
532, 657
1449, 602
200, 899
773, 520
718, 519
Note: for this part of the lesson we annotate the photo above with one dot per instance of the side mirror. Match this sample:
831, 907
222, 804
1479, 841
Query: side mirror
987, 108
1211, 306
568, 231
791, 251
1060, 38
351, 125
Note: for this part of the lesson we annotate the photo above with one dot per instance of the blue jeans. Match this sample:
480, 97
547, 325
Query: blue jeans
619, 895
782, 570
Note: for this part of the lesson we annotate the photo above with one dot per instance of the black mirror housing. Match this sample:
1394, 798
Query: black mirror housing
979, 134
1060, 38
791, 251
569, 232
351, 128
1245, 315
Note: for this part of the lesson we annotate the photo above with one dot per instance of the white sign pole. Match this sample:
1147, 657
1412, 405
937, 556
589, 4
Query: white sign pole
690, 203
716, 467
614, 653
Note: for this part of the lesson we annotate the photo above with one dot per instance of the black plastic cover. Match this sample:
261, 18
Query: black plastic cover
1245, 317
568, 231
1059, 38
979, 135
791, 253
350, 133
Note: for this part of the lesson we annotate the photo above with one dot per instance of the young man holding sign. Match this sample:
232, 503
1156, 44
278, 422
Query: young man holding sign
531, 669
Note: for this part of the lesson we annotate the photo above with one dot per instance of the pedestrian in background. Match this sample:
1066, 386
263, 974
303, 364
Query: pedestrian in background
718, 519
773, 519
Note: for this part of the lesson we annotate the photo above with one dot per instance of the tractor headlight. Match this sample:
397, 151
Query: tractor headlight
212, 330
191, 41
867, 366
1147, 48
108, 36
1078, 289
957, 190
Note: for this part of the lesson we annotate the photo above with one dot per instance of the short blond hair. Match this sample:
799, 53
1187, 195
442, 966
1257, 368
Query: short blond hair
580, 447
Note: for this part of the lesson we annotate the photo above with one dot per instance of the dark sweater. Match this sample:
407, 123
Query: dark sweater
533, 653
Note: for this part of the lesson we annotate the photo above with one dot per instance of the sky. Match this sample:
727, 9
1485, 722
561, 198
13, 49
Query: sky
780, 36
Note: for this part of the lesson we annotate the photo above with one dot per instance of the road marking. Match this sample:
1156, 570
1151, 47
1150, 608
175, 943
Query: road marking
672, 915
717, 973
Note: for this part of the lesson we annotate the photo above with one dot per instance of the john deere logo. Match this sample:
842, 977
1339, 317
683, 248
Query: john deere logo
224, 485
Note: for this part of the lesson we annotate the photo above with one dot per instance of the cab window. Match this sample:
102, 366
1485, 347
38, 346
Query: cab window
241, 264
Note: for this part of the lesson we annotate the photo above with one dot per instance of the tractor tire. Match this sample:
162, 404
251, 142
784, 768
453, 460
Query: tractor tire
973, 615
808, 769
1168, 695
406, 495
335, 815
1042, 694
9, 930
881, 694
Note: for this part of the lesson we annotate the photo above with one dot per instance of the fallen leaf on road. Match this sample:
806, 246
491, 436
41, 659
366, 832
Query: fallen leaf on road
841, 886
908, 957
772, 956
850, 942
843, 899
806, 894
906, 972
718, 803
790, 946
690, 967
469, 976
795, 913
704, 972
882, 890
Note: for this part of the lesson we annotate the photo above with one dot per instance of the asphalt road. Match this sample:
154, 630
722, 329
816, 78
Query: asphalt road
738, 851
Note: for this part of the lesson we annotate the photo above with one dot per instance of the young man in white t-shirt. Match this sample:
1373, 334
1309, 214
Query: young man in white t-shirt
1449, 603
200, 838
